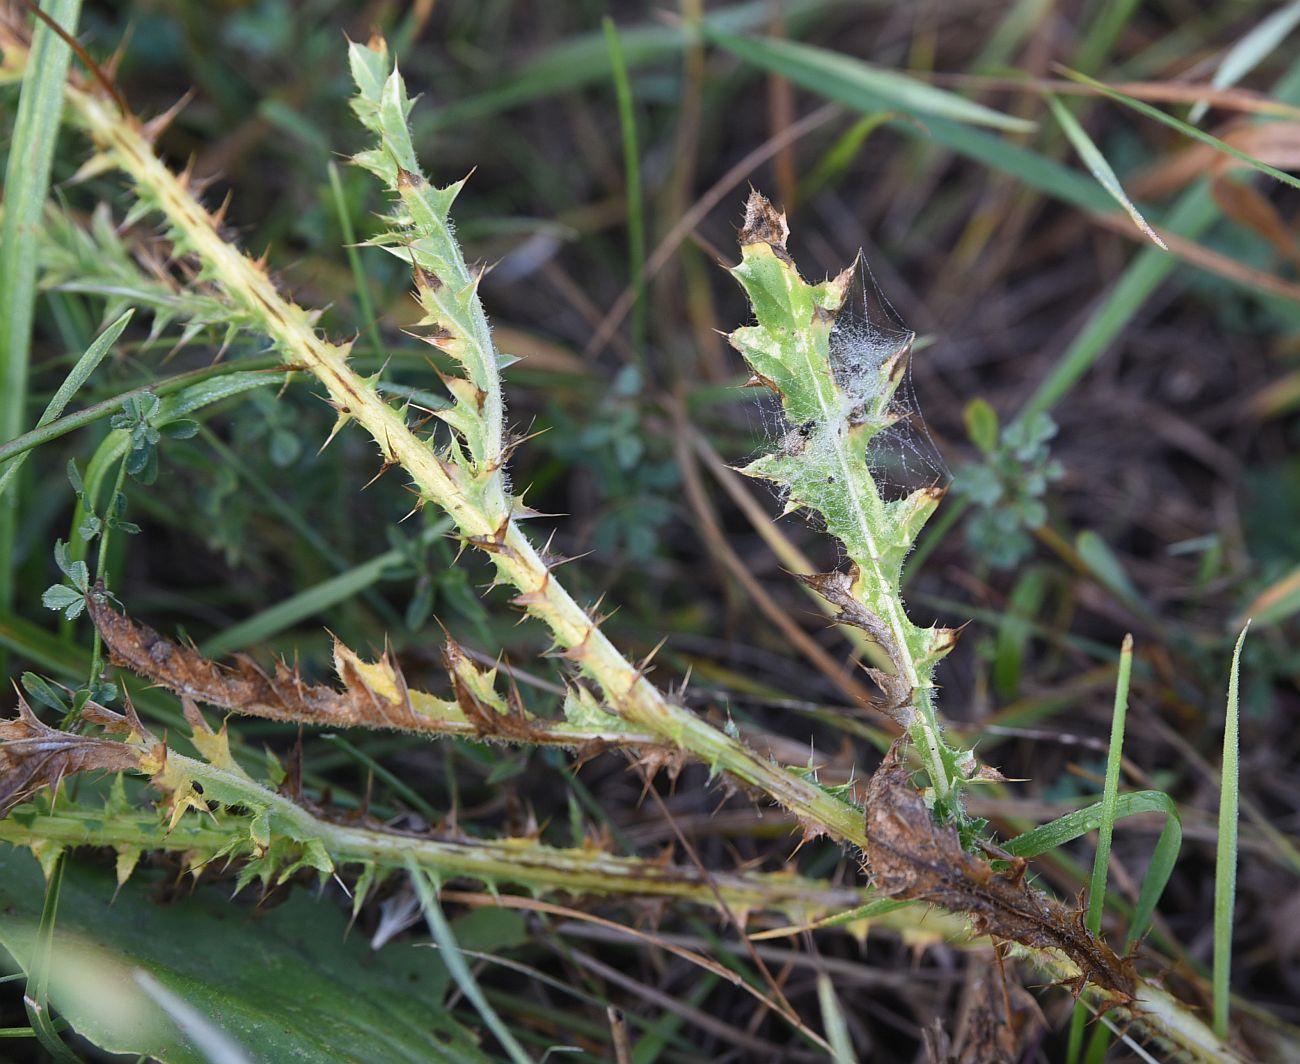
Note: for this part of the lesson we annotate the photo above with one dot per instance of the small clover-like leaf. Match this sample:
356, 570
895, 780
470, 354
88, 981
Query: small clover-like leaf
67, 599
183, 429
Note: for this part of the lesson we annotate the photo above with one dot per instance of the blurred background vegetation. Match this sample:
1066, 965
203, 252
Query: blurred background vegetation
1131, 463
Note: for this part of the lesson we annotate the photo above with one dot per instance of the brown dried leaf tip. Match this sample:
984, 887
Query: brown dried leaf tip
914, 858
34, 755
837, 589
764, 224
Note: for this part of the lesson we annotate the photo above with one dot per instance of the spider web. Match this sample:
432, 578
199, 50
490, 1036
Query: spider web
867, 332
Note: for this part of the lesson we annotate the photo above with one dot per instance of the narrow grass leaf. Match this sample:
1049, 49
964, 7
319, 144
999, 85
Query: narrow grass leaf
1100, 168
1253, 48
1105, 832
1071, 826
855, 82
61, 426
584, 59
1193, 213
362, 285
837, 1030
313, 601
1108, 570
1182, 127
1013, 634
86, 365
27, 180
1110, 791
1225, 856
632, 178
1277, 602
841, 154
455, 962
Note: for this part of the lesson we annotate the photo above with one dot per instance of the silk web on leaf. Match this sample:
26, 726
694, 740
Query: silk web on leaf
868, 332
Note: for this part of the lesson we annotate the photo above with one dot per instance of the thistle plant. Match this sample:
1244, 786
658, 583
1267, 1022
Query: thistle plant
835, 403
834, 407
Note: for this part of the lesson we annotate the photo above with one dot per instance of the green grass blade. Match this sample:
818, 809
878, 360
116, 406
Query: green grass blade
313, 600
1190, 216
855, 82
1072, 825
455, 962
584, 60
841, 155
632, 171
1253, 48
837, 1030
1100, 168
1106, 831
1104, 22
364, 303
27, 180
1187, 130
86, 365
61, 426
1034, 170
1079, 822
1225, 856
1110, 791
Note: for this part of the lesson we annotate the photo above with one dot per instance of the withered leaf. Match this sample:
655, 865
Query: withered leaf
486, 719
1000, 1017
34, 755
374, 694
914, 858
245, 687
837, 589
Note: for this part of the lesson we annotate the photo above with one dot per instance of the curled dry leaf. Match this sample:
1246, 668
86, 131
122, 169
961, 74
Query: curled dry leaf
34, 755
373, 695
837, 589
914, 858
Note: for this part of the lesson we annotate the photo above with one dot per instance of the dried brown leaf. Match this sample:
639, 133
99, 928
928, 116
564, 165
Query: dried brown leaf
837, 589
34, 755
999, 1016
914, 858
374, 694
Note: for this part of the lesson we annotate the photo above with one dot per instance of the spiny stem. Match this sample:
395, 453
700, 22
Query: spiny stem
630, 694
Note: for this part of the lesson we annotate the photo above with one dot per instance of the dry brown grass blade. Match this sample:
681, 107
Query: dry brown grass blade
1248, 207
915, 859
1274, 143
1232, 99
679, 232
1212, 261
34, 755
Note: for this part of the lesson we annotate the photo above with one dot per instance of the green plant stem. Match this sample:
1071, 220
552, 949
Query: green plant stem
107, 407
521, 862
101, 565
